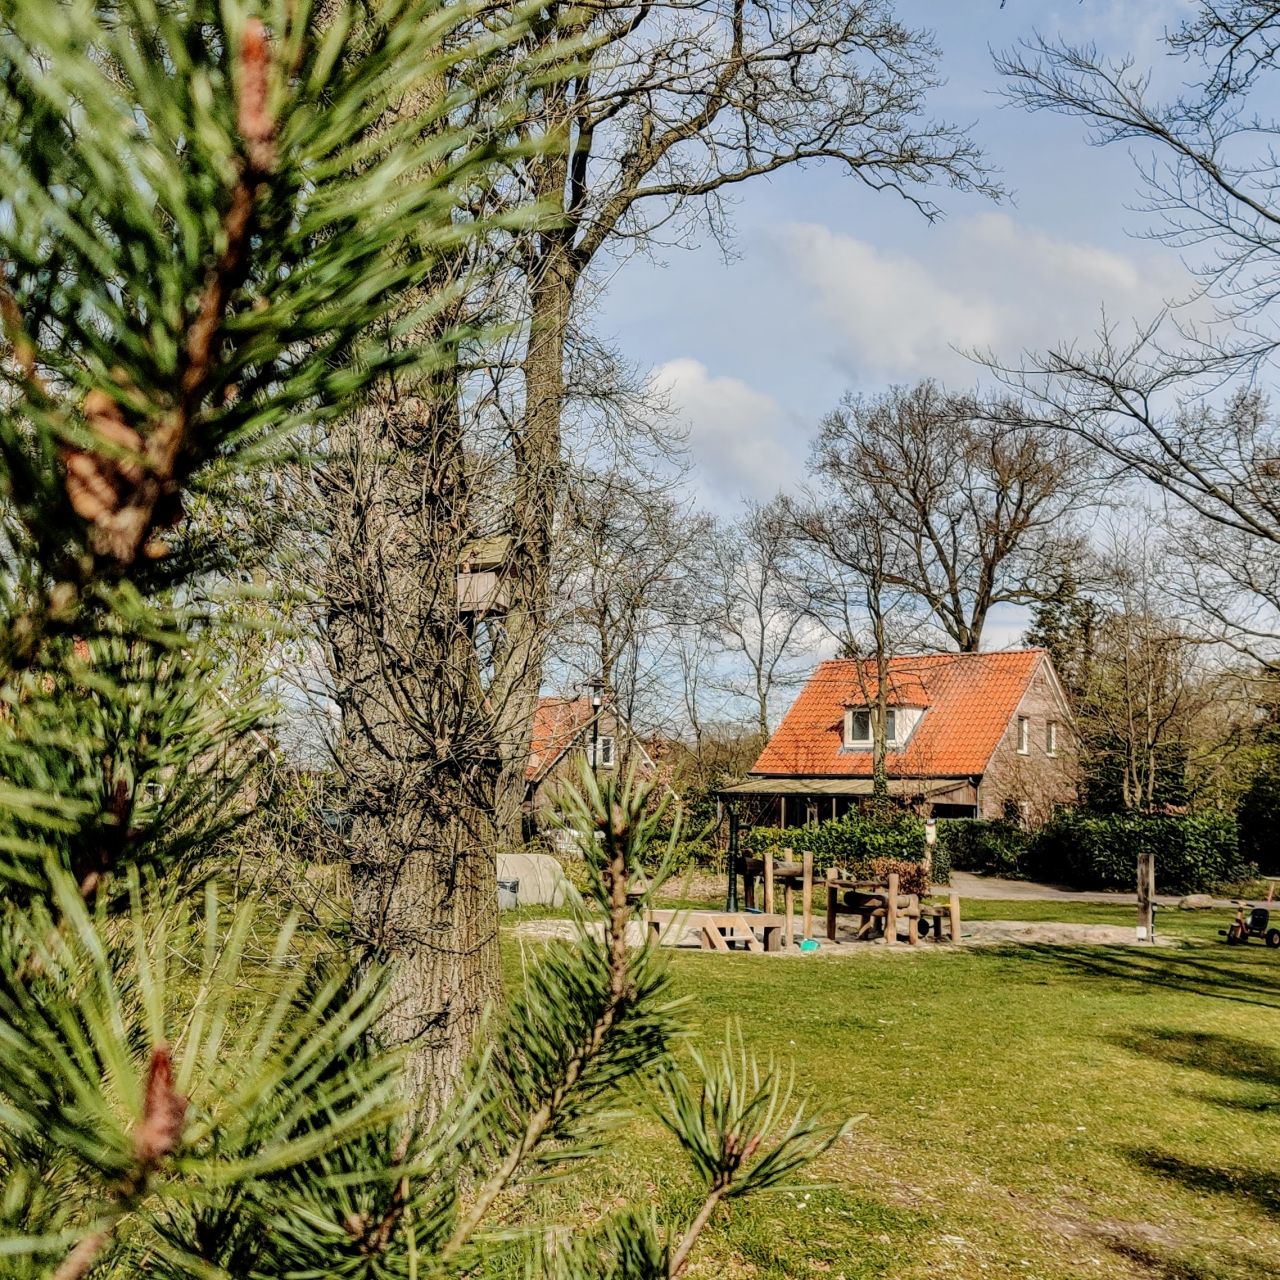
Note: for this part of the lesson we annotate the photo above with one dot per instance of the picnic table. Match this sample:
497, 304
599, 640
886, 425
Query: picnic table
880, 904
722, 930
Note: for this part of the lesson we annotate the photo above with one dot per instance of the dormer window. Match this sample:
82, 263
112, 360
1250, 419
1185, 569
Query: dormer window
857, 727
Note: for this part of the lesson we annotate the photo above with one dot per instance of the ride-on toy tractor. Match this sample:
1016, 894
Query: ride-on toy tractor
1252, 922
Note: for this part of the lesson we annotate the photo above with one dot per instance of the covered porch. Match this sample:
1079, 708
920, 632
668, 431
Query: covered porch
798, 801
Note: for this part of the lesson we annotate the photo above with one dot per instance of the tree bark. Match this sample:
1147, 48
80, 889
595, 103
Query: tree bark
416, 750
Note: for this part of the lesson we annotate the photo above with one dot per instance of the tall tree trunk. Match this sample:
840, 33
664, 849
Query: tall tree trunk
538, 483
416, 748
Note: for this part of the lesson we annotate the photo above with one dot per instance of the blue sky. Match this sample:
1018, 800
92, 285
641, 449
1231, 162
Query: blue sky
835, 288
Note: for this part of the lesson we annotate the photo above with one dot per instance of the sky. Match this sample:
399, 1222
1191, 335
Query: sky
833, 288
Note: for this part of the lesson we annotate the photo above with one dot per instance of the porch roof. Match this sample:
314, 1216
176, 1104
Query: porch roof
794, 785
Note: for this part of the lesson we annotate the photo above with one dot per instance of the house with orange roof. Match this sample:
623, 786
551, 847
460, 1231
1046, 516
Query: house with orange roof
968, 735
571, 732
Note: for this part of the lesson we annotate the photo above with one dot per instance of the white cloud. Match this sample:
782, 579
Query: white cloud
989, 283
744, 444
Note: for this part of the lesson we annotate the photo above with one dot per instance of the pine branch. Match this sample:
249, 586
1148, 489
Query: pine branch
155, 1138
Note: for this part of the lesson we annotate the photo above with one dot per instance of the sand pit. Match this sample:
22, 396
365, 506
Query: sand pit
982, 933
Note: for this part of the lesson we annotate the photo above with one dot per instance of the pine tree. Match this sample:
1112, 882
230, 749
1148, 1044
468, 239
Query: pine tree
207, 224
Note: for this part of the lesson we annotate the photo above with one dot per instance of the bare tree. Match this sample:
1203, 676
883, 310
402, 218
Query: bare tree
668, 106
972, 508
844, 579
638, 118
1159, 402
626, 550
752, 610
1147, 683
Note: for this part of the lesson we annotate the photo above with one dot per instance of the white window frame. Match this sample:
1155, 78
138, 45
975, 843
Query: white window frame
1024, 735
605, 751
891, 728
1051, 738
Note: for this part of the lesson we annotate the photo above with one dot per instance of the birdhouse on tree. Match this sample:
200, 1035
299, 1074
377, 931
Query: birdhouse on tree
482, 588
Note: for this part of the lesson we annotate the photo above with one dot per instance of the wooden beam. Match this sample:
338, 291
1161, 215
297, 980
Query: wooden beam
891, 910
768, 882
1146, 896
806, 891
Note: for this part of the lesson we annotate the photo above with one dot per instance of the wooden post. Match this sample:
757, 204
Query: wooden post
891, 910
954, 911
832, 903
768, 882
806, 891
1146, 897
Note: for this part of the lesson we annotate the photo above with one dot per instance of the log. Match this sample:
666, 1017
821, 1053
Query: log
768, 882
891, 910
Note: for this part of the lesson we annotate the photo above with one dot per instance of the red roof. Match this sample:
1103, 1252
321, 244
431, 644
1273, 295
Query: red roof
969, 700
556, 723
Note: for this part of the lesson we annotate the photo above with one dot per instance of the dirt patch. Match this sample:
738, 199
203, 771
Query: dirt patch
1051, 933
977, 933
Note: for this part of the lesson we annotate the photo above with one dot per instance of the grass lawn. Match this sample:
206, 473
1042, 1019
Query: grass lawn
1032, 1112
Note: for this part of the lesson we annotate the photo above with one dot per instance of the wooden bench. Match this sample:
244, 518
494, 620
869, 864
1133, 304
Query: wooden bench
932, 914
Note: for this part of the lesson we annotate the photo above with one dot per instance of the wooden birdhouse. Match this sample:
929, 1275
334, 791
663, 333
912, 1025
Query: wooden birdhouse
482, 588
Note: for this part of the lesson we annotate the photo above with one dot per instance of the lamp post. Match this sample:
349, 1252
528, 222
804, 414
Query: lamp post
731, 898
597, 700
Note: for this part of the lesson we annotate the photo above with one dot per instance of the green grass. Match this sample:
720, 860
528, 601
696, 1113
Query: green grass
1032, 1111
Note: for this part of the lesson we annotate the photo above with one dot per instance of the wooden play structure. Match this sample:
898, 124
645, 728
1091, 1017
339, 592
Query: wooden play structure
880, 907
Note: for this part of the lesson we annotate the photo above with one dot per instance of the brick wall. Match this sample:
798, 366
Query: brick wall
1037, 779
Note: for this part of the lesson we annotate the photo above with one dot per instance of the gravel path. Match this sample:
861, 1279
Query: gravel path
970, 886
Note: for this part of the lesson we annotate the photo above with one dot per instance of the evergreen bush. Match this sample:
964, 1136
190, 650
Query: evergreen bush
1258, 819
851, 843
984, 846
1193, 852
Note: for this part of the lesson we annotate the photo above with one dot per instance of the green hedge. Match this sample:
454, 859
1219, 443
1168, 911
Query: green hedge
1258, 816
852, 842
1193, 851
991, 848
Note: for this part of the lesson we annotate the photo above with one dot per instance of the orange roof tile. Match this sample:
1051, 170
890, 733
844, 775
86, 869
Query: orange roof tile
969, 699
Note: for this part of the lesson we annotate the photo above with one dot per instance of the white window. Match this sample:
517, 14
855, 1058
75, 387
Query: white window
1051, 738
1024, 736
859, 726
604, 753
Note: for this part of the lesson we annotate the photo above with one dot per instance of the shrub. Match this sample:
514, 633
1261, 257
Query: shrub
1259, 817
855, 844
995, 848
686, 854
912, 877
1193, 851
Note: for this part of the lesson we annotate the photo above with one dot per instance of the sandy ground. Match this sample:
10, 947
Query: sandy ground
704, 885
976, 933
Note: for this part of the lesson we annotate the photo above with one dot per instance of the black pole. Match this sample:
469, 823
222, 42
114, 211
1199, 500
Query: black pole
731, 899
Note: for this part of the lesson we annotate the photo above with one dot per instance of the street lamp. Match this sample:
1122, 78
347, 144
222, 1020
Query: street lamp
597, 699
